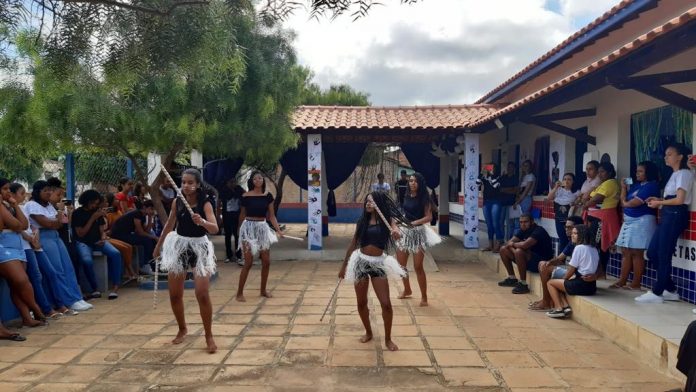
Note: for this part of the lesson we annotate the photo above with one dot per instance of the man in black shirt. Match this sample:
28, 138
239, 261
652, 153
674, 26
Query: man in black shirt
88, 225
401, 187
228, 208
133, 228
530, 245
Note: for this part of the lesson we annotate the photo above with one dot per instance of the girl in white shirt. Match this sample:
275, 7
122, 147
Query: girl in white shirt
563, 198
580, 273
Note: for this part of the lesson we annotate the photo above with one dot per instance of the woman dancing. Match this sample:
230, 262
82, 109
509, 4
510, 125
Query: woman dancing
418, 236
367, 260
186, 247
255, 236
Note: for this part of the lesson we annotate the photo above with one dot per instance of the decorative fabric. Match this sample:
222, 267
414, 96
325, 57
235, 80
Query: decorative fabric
176, 246
423, 161
360, 266
218, 172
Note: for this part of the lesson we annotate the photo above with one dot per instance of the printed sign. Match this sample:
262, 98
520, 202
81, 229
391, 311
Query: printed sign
685, 255
471, 171
314, 191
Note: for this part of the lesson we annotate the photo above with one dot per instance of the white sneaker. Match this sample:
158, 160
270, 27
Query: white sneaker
78, 306
87, 304
650, 298
669, 296
693, 310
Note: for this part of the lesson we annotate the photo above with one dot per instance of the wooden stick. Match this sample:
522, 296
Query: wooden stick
371, 200
293, 237
178, 191
331, 299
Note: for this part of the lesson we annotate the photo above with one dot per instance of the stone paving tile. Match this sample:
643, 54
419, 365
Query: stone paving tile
53, 387
473, 336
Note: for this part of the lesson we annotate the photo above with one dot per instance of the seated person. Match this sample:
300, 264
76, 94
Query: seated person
555, 268
580, 276
530, 245
88, 224
132, 229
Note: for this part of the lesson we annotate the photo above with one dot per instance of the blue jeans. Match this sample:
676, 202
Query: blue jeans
526, 208
493, 213
673, 221
113, 259
147, 243
60, 273
36, 279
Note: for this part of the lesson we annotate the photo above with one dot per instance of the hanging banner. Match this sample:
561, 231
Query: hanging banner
556, 160
471, 172
314, 191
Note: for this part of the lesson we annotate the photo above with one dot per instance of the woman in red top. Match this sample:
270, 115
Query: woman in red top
125, 202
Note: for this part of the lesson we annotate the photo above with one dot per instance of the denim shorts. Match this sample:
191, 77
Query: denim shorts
559, 272
11, 247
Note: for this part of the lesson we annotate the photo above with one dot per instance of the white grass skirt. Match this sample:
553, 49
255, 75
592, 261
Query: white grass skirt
417, 238
361, 266
258, 235
178, 252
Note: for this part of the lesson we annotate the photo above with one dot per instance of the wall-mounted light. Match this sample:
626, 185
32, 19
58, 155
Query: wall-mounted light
499, 123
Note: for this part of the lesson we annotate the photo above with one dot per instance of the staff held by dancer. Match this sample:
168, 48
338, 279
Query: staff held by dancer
366, 259
184, 245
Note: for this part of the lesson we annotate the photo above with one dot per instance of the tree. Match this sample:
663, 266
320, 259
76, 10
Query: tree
209, 78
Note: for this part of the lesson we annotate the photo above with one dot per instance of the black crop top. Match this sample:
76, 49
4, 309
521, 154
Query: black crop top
413, 209
374, 235
184, 221
257, 206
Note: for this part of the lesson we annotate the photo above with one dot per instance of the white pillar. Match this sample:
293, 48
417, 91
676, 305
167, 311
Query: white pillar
196, 158
471, 171
443, 219
314, 193
154, 164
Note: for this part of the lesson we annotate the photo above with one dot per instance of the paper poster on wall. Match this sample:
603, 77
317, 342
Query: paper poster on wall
556, 160
314, 191
471, 171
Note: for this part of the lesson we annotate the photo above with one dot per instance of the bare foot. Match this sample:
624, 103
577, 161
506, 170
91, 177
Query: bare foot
240, 298
366, 338
180, 336
391, 346
424, 302
212, 347
266, 294
405, 294
33, 323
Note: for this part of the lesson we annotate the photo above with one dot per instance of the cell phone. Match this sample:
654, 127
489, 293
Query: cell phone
692, 159
67, 202
488, 168
628, 181
109, 209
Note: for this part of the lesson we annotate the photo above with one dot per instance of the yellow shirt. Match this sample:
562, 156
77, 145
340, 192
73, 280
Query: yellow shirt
610, 190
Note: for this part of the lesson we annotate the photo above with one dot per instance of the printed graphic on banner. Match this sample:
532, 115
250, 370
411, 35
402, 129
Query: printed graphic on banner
314, 190
471, 191
685, 255
556, 160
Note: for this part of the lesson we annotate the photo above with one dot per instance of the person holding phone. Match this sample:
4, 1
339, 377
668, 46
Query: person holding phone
489, 182
563, 197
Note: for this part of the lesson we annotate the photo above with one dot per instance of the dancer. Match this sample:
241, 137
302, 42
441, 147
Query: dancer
189, 246
418, 236
255, 236
366, 259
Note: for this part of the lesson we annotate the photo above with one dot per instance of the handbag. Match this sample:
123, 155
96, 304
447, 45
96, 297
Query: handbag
514, 212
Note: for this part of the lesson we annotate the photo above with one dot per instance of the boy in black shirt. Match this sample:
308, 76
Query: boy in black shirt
132, 228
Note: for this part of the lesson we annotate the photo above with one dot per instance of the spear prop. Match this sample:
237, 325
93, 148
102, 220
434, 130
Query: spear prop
333, 295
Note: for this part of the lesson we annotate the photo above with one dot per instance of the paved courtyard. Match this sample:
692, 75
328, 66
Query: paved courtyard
474, 336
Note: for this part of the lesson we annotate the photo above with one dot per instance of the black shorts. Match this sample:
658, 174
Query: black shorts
188, 259
577, 286
368, 270
533, 263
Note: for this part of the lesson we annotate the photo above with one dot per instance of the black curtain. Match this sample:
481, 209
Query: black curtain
218, 172
423, 161
295, 164
542, 149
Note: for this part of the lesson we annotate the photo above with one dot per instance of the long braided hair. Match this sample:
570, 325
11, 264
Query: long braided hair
390, 211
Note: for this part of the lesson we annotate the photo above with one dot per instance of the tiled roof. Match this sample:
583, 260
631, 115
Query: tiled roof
625, 50
308, 118
559, 47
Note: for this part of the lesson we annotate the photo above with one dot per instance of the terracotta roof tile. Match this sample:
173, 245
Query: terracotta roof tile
630, 47
308, 118
559, 47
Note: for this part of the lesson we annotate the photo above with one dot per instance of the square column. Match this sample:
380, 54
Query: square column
470, 174
443, 219
314, 192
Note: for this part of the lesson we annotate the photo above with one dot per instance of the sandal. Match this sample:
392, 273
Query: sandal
617, 286
632, 288
538, 308
70, 312
15, 337
55, 315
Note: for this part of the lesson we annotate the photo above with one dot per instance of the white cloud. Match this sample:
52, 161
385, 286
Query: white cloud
435, 51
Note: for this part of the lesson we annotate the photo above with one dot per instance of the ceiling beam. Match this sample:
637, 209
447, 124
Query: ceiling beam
659, 79
577, 135
564, 115
668, 96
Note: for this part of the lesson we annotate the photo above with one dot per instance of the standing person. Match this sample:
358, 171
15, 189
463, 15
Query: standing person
89, 224
167, 194
602, 212
417, 237
132, 229
366, 260
489, 180
255, 236
189, 247
526, 191
36, 259
139, 192
61, 274
563, 198
639, 223
380, 185
674, 219
401, 187
229, 208
591, 183
126, 202
13, 259
509, 182
579, 278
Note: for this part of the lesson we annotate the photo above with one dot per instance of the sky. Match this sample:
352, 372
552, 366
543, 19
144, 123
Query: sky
436, 51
